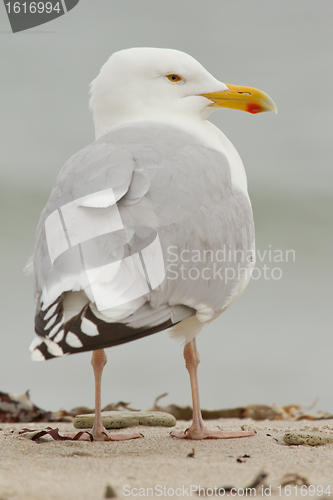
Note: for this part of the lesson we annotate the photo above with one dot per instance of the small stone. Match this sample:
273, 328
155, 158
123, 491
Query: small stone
122, 419
308, 438
109, 492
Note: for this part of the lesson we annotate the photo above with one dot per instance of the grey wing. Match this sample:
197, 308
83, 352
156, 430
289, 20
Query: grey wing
100, 167
181, 194
205, 224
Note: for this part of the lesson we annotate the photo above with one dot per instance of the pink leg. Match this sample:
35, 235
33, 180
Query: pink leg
98, 431
198, 430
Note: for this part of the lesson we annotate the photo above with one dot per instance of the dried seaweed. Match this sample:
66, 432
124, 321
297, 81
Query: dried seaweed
54, 433
18, 408
253, 411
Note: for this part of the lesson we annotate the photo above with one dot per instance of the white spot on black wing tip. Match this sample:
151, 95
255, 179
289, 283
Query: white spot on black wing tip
50, 312
59, 336
53, 348
54, 331
50, 322
73, 340
37, 355
89, 328
36, 342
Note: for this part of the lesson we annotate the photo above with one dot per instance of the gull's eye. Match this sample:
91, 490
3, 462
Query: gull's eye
174, 78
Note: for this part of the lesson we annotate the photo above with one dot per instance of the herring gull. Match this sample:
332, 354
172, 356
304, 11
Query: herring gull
150, 227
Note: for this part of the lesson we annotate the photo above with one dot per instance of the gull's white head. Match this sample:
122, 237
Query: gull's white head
151, 84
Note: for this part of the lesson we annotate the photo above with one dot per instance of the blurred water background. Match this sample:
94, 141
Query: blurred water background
275, 344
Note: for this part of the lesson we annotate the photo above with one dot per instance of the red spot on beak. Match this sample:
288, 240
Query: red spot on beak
254, 107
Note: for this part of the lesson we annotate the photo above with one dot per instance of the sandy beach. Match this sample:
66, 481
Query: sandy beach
159, 466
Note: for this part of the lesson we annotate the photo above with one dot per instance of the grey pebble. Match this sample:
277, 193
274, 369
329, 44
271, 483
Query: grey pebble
308, 438
122, 419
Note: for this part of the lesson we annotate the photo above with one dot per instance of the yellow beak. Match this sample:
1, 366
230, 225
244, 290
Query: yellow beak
244, 98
